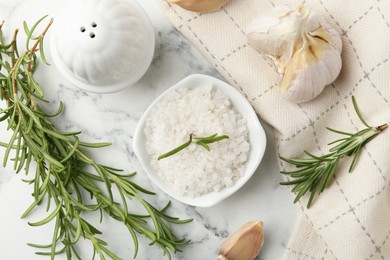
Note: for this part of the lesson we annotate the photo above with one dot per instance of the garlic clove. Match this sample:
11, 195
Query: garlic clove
305, 48
243, 244
267, 33
311, 68
201, 6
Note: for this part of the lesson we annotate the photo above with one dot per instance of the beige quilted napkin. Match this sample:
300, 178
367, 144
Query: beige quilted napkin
351, 219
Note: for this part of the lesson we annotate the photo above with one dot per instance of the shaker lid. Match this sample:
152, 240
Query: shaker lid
102, 45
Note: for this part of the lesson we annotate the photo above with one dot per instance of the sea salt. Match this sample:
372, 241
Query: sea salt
201, 111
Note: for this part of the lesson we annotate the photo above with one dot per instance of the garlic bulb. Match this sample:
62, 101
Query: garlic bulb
244, 244
201, 6
305, 48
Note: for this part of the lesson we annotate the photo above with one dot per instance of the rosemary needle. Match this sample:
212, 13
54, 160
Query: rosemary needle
202, 141
65, 173
314, 173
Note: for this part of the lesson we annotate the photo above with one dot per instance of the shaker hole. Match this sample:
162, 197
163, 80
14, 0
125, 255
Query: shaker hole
94, 24
92, 35
82, 29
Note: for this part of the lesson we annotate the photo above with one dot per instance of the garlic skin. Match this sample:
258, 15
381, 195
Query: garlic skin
243, 244
200, 6
305, 48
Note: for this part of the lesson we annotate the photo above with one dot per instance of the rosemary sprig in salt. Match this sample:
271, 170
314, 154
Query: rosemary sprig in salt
202, 141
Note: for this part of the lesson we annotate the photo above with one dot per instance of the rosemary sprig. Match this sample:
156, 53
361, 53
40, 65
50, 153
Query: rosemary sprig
65, 173
202, 141
315, 172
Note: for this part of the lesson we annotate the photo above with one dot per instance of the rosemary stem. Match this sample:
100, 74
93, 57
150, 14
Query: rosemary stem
382, 127
3, 91
14, 73
13, 59
13, 47
6, 97
33, 49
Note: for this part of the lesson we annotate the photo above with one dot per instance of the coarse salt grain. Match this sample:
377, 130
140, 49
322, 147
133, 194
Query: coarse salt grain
201, 111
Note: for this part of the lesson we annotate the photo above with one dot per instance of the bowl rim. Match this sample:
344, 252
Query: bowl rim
133, 77
212, 198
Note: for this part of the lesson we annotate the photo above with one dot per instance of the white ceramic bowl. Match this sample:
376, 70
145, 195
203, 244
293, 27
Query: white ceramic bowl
257, 140
102, 46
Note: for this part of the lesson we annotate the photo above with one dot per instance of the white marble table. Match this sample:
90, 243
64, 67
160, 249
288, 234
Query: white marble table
113, 118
